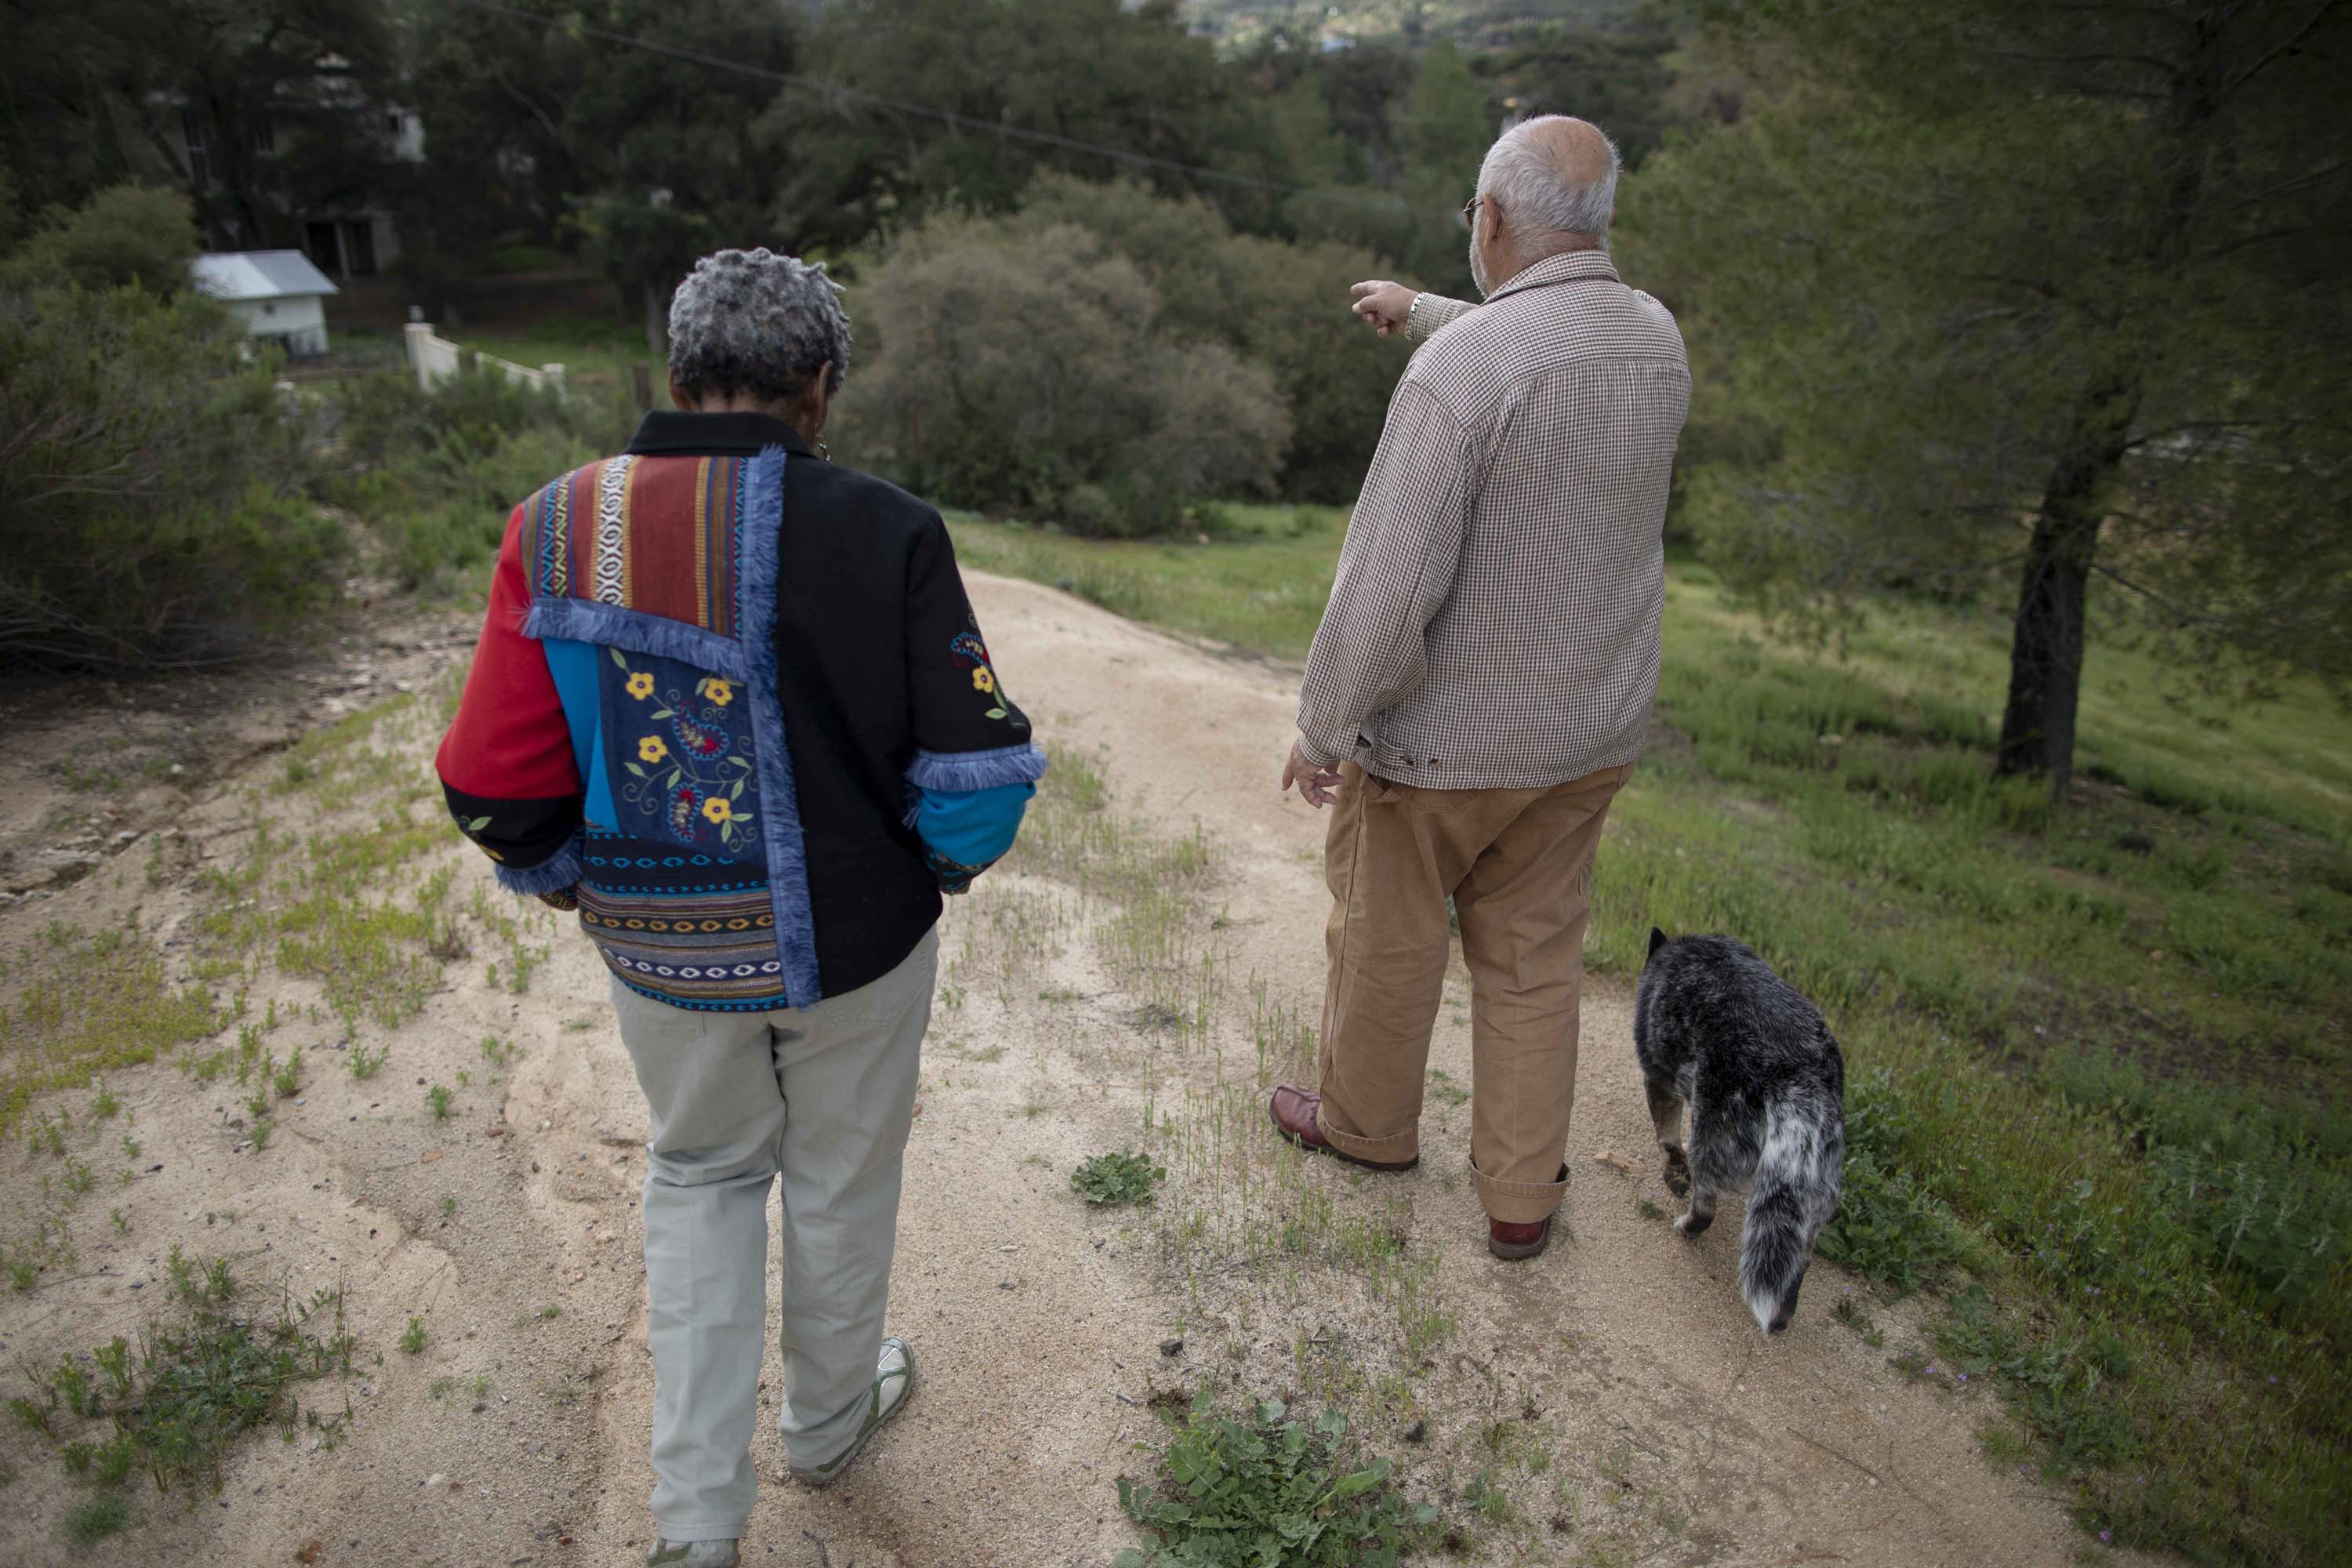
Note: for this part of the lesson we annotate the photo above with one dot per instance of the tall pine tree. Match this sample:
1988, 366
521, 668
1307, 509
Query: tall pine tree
2058, 289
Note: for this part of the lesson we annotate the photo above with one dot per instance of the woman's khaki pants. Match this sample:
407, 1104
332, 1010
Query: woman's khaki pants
824, 1097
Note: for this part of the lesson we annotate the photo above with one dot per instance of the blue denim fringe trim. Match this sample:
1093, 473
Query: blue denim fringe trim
617, 626
759, 539
548, 876
1024, 763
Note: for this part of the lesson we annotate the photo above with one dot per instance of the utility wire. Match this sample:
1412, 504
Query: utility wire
924, 110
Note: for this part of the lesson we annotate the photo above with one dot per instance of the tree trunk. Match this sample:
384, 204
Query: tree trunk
2045, 656
2045, 659
656, 320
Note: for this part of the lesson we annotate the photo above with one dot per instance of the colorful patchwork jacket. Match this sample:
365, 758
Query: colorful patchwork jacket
730, 701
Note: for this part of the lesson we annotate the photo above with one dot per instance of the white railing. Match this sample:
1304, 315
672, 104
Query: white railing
435, 359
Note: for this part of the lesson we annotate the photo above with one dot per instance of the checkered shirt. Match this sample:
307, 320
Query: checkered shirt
1495, 620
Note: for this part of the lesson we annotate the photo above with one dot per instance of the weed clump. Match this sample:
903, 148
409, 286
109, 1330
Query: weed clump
96, 1517
1111, 1179
1239, 1490
178, 1401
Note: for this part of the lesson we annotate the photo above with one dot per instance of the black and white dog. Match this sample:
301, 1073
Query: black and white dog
1717, 1030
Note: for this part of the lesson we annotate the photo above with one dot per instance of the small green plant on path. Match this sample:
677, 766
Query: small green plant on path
437, 1101
1109, 1180
96, 1517
411, 1339
1261, 1490
173, 1407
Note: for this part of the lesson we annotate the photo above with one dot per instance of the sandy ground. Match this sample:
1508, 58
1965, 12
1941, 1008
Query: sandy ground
1670, 1431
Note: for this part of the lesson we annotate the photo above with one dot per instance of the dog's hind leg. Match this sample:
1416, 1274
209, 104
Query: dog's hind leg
1701, 1214
1666, 1117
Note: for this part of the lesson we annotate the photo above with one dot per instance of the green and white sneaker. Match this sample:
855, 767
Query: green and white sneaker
692, 1554
894, 1380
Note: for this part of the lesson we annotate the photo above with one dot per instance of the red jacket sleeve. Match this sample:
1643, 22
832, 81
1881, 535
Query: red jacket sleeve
505, 764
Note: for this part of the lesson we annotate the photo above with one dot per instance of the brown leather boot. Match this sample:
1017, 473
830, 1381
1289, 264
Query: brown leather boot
1293, 1109
1514, 1243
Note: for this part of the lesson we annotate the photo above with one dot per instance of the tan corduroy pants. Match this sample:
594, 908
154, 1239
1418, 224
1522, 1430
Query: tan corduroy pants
1518, 866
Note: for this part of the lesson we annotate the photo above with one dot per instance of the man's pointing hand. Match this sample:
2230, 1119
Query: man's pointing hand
1385, 305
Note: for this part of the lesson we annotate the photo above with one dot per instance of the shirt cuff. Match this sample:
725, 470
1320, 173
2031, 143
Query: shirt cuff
1315, 753
1431, 311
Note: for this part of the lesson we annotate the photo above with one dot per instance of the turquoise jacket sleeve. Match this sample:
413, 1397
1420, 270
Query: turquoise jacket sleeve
967, 807
966, 831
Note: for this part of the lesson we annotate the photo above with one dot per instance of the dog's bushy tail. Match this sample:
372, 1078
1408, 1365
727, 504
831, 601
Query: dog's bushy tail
1798, 1178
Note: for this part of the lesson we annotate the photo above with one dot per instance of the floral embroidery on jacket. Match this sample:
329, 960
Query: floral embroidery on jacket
691, 769
972, 654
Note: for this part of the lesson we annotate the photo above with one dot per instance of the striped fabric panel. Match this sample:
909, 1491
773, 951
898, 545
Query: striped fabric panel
690, 948
664, 538
658, 535
720, 517
610, 568
546, 542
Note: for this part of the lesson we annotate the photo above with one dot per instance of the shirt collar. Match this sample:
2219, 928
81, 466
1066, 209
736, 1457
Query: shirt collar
670, 433
1568, 266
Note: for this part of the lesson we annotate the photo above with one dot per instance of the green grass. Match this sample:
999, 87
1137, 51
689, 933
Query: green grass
96, 1517
595, 351
91, 1003
2097, 1057
1258, 586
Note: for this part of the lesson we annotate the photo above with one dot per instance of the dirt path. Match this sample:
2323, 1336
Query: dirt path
1615, 1390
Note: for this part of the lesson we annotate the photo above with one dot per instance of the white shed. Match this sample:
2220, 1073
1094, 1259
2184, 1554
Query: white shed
278, 294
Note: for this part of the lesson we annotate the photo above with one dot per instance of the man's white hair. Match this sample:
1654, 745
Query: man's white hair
1538, 200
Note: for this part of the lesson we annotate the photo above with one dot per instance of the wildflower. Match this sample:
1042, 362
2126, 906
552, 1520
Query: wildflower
652, 749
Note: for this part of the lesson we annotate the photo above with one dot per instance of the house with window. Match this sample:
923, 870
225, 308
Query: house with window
279, 296
353, 237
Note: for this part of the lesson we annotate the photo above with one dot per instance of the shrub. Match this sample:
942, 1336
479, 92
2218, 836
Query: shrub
436, 474
1283, 306
1023, 371
151, 486
129, 234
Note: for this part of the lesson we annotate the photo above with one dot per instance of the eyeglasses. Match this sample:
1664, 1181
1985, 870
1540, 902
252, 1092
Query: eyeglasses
1468, 209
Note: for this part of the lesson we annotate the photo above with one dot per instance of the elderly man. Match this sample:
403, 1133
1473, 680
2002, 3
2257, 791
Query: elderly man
1481, 684
730, 704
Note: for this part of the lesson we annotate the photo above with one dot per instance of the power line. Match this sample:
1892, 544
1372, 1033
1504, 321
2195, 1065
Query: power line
902, 106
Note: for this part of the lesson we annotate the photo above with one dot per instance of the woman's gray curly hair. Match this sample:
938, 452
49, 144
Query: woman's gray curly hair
753, 321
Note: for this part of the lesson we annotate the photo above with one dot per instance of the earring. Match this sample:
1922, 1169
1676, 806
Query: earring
823, 450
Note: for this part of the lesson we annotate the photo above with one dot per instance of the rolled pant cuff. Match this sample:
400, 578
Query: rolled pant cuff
684, 1534
1518, 1203
1395, 1149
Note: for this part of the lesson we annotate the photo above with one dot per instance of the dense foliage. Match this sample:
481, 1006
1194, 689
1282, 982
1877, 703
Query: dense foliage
1029, 372
438, 474
2055, 292
150, 477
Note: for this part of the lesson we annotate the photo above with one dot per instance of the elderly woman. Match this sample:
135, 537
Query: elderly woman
731, 704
